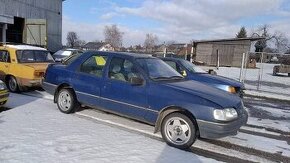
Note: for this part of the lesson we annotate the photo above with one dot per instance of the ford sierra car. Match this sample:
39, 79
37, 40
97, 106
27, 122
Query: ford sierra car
145, 88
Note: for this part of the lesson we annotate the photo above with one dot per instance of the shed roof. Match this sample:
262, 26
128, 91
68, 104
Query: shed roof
231, 39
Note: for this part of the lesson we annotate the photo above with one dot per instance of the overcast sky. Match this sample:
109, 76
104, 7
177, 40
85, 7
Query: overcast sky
178, 20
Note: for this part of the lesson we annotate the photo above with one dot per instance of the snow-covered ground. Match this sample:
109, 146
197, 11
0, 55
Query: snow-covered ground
269, 84
35, 131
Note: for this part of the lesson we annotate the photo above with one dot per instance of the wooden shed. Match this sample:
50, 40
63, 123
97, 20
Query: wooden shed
228, 51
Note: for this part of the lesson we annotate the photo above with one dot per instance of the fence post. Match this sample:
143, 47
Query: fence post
260, 72
191, 53
218, 59
242, 67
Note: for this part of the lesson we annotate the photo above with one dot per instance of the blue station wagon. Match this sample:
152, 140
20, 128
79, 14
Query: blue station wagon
145, 88
192, 72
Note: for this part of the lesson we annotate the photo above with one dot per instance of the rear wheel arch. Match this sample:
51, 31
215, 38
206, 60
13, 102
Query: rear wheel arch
7, 79
171, 109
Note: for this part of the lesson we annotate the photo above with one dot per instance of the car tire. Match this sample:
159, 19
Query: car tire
67, 101
12, 84
178, 130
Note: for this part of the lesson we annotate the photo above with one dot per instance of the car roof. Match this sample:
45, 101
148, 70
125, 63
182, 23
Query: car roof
24, 47
70, 49
171, 58
123, 54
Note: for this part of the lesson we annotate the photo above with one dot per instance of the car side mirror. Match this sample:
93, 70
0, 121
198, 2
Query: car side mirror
136, 81
212, 72
183, 73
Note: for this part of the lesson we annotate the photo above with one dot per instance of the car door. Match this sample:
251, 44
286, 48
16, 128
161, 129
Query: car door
119, 95
88, 80
4, 63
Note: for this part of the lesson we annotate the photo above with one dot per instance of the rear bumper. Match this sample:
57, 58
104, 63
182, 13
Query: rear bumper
29, 82
215, 130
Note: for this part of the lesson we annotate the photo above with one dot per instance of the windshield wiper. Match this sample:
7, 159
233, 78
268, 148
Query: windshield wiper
176, 77
167, 78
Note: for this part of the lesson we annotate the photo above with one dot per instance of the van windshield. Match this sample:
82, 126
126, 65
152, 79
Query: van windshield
33, 56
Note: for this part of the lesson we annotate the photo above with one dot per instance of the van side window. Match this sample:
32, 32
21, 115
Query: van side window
4, 56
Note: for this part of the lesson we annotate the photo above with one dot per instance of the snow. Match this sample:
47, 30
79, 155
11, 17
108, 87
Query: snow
35, 131
24, 47
271, 86
281, 125
265, 144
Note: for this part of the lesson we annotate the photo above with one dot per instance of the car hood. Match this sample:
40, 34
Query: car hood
215, 79
37, 66
217, 96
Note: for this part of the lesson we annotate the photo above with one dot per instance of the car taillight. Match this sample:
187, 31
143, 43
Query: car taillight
38, 74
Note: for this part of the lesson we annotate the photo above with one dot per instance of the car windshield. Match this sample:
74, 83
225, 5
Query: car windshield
71, 58
157, 69
31, 56
191, 67
63, 53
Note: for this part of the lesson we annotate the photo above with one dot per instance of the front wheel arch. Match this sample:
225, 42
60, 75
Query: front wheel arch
166, 111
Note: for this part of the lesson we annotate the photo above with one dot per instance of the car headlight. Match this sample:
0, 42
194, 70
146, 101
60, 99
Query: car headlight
227, 88
2, 86
226, 114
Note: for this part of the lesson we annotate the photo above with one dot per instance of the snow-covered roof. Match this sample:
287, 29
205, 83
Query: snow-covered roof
25, 47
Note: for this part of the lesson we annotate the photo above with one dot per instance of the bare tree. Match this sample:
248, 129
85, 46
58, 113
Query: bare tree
80, 43
72, 39
281, 41
170, 42
278, 38
113, 35
150, 42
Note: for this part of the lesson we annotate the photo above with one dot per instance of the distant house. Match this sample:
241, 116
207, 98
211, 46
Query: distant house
229, 51
100, 46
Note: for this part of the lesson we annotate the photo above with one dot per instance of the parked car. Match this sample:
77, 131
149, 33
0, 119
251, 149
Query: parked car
192, 72
145, 88
23, 66
3, 93
62, 54
281, 69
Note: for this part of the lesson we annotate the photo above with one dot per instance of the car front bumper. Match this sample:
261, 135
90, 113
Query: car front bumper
3, 97
215, 130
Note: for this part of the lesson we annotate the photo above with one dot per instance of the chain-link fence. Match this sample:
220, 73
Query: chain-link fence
268, 72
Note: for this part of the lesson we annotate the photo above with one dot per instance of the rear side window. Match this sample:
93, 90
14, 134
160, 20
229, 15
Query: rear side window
94, 65
4, 56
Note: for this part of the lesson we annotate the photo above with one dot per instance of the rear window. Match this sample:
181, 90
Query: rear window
63, 53
31, 56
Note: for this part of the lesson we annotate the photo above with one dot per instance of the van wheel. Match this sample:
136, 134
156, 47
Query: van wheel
12, 84
67, 101
178, 130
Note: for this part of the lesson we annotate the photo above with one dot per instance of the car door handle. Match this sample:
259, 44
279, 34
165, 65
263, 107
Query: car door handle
6, 66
